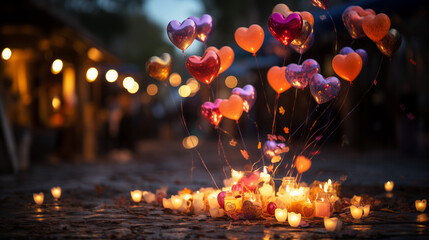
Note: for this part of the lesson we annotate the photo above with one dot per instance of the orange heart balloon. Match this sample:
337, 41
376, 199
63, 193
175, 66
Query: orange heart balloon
390, 43
232, 108
159, 68
307, 17
302, 164
277, 80
204, 68
250, 39
281, 8
226, 55
347, 66
376, 27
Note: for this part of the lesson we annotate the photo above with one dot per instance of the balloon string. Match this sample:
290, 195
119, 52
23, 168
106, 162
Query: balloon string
242, 140
293, 110
308, 117
335, 30
300, 57
262, 83
219, 144
257, 134
353, 41
276, 103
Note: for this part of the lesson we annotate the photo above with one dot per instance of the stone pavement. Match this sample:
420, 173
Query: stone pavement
95, 202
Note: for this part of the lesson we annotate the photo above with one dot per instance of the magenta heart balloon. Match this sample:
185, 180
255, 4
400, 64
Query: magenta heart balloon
182, 34
271, 149
301, 49
285, 30
299, 75
211, 111
324, 90
248, 94
204, 27
221, 199
249, 181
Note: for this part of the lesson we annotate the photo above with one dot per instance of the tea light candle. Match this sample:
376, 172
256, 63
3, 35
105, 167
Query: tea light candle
232, 203
294, 219
56, 192
198, 195
38, 198
281, 215
148, 197
322, 208
216, 212
366, 210
212, 199
266, 190
421, 205
388, 186
330, 224
176, 201
264, 176
356, 211
167, 203
136, 195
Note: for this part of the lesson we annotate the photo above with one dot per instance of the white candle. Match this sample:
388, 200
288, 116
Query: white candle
366, 210
216, 212
421, 205
356, 211
149, 197
281, 215
198, 206
38, 198
198, 195
136, 195
213, 203
264, 176
56, 192
266, 190
389, 186
167, 203
294, 219
330, 224
176, 201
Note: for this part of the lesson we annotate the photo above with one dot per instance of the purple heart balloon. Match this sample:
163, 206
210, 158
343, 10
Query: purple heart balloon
248, 94
301, 49
285, 30
211, 111
182, 34
299, 75
346, 50
271, 149
323, 89
362, 53
204, 27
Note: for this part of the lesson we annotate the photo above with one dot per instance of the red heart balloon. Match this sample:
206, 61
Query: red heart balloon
204, 68
302, 164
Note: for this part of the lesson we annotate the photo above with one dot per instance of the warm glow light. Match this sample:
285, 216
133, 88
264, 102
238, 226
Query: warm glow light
356, 212
330, 224
56, 103
111, 75
166, 203
231, 81
366, 210
56, 192
136, 195
91, 74
152, 89
148, 196
294, 219
421, 205
193, 84
281, 215
94, 54
6, 54
190, 142
57, 66
175, 79
176, 201
236, 175
134, 89
184, 91
388, 186
38, 198
128, 82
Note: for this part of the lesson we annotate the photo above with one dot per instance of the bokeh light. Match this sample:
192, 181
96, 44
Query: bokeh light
231, 82
190, 142
57, 66
134, 89
194, 85
91, 74
175, 79
184, 91
56, 103
111, 75
94, 54
152, 89
128, 83
6, 53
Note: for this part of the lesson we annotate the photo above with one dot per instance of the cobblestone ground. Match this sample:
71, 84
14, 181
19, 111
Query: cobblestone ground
95, 202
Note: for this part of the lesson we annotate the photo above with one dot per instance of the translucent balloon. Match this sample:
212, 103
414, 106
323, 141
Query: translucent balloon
250, 39
204, 68
232, 108
159, 67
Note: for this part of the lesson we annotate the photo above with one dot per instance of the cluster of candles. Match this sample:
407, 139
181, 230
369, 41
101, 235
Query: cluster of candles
40, 197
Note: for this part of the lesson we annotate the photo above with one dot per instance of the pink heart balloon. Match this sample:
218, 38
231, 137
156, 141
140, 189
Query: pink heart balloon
248, 94
299, 75
182, 34
324, 90
271, 149
250, 181
211, 112
285, 30
204, 27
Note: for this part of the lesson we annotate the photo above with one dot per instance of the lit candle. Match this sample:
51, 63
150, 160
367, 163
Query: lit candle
266, 190
366, 210
176, 201
56, 192
281, 214
167, 203
198, 195
198, 206
148, 197
330, 224
38, 198
421, 205
216, 212
294, 219
213, 203
356, 211
389, 186
136, 195
232, 203
322, 208
264, 176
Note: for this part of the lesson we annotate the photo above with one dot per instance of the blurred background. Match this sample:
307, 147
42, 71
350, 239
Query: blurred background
60, 103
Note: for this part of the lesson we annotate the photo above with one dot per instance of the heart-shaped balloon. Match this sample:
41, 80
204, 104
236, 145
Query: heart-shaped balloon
159, 67
211, 111
299, 75
323, 4
302, 37
232, 108
282, 8
347, 66
204, 27
390, 43
302, 164
271, 208
352, 19
285, 30
324, 90
272, 149
362, 53
301, 49
182, 34
307, 16
250, 39
249, 182
204, 68
226, 55
248, 94
376, 27
221, 199
277, 80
